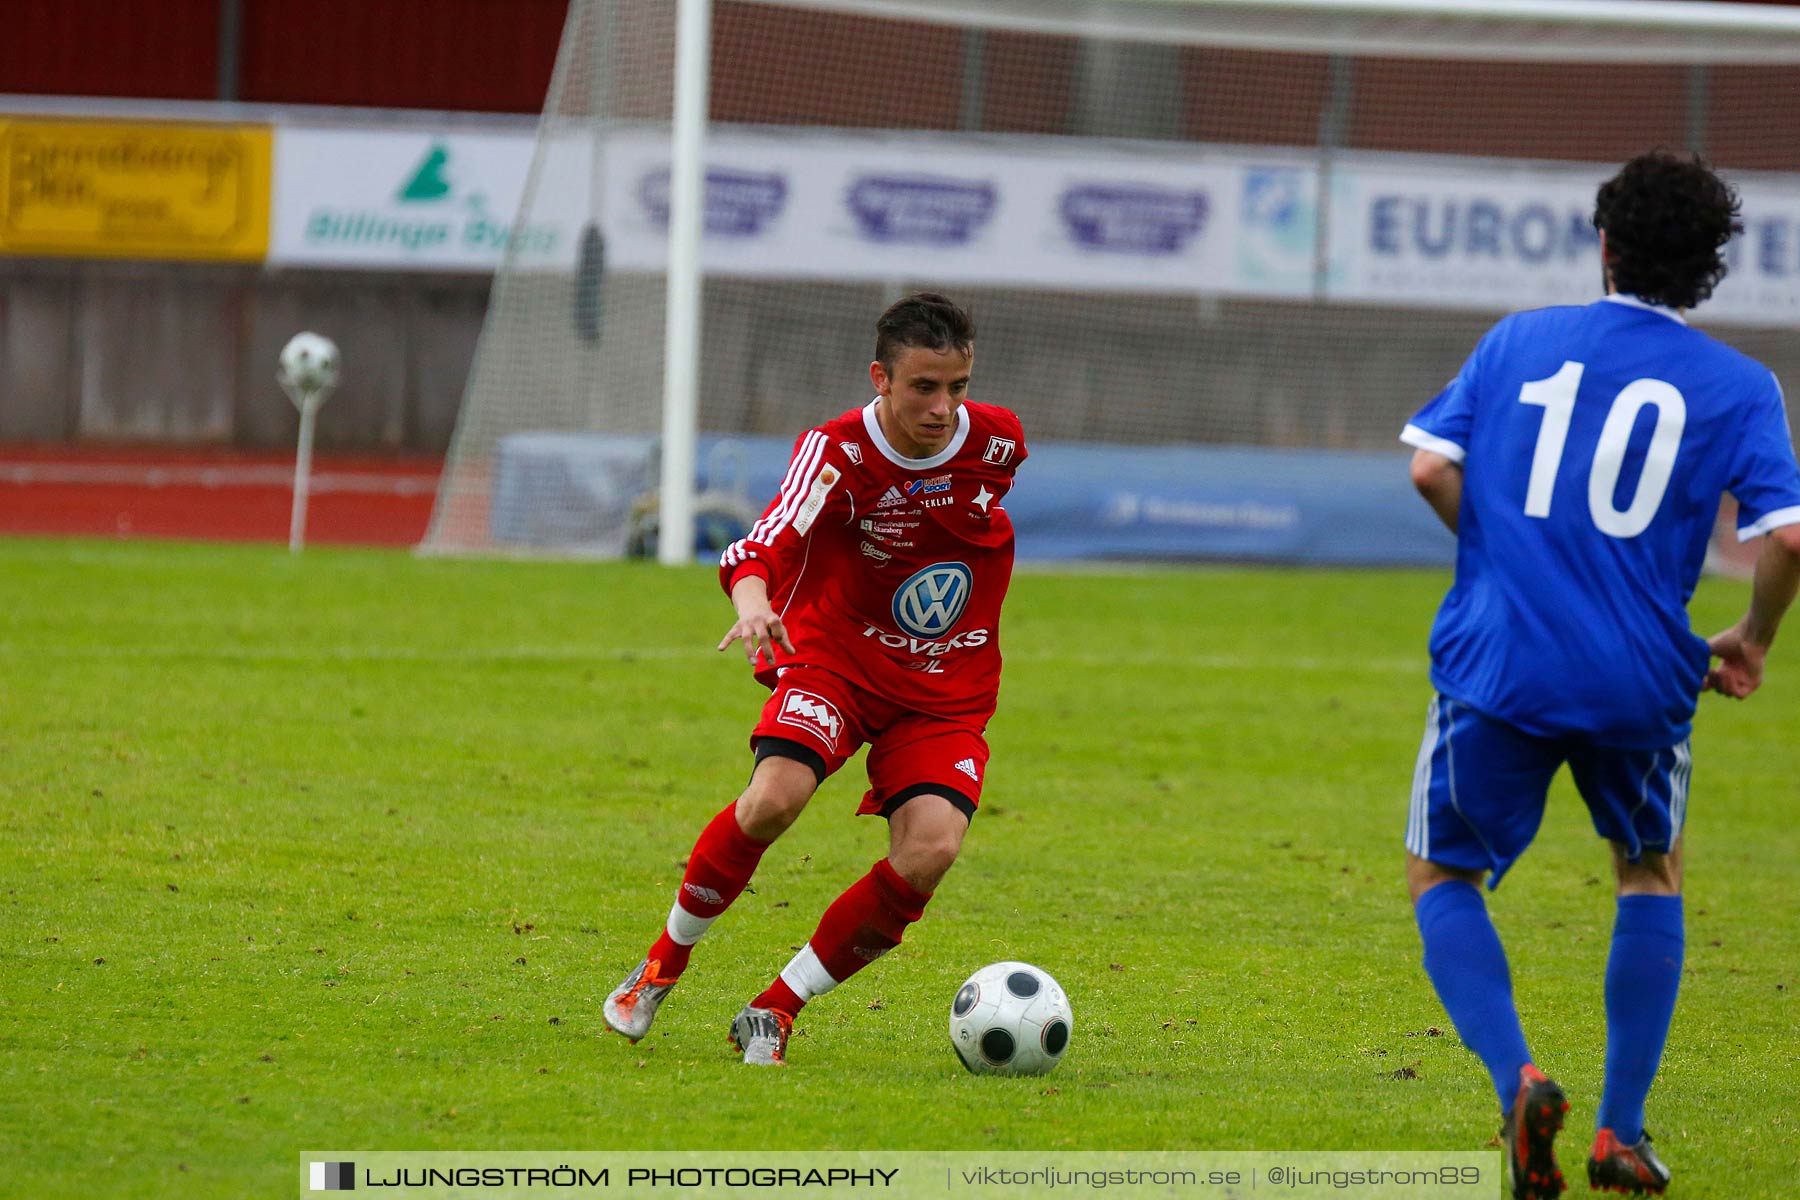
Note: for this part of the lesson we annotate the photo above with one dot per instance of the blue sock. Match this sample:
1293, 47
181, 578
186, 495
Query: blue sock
1467, 965
1642, 976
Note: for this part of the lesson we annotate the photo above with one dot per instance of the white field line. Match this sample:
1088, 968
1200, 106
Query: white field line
576, 654
213, 477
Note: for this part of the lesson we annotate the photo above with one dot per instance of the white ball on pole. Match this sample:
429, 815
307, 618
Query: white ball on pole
309, 364
307, 372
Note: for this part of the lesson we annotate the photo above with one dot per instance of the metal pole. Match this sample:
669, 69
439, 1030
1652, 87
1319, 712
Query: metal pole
309, 408
231, 47
687, 217
1699, 96
972, 111
1334, 126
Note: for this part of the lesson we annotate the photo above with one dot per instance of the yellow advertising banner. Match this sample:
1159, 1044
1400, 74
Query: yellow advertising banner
118, 189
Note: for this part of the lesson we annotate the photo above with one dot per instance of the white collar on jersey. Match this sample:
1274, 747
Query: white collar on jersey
873, 425
1674, 314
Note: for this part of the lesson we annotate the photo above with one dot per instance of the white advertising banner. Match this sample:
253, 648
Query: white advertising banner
1030, 212
1764, 285
400, 199
1466, 235
990, 211
1488, 234
981, 211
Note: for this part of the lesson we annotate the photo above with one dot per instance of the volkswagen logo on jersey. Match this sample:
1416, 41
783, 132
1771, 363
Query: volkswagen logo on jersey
931, 602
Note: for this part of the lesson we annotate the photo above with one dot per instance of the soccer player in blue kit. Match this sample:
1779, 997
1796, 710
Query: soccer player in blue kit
1579, 456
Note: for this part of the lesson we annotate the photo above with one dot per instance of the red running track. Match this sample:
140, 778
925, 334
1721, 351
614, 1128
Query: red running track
212, 494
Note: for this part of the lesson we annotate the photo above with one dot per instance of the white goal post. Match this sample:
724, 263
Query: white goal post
1280, 223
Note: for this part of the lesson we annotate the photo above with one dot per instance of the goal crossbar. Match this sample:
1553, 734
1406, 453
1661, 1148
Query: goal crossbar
1639, 31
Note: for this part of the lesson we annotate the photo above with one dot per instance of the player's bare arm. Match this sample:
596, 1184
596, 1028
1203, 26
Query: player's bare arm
1440, 480
1742, 648
757, 625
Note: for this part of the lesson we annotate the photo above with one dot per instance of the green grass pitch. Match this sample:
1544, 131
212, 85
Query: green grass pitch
347, 850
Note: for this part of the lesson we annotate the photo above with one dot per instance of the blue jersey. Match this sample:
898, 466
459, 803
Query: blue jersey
1595, 444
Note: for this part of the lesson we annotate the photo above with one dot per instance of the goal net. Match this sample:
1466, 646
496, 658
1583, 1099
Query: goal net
1264, 231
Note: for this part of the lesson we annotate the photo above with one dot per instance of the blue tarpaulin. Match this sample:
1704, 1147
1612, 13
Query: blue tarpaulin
1071, 502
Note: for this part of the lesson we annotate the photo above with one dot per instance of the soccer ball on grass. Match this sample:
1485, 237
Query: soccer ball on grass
1010, 1018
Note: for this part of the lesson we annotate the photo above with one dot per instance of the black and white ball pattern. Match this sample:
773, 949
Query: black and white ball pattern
309, 362
1010, 1018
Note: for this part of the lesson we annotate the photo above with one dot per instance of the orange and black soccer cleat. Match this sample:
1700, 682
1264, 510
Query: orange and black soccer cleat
1615, 1167
1530, 1135
632, 1005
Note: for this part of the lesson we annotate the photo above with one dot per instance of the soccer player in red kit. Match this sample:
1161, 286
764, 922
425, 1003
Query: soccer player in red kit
868, 601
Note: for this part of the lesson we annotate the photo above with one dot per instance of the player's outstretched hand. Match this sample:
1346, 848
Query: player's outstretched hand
760, 631
1740, 667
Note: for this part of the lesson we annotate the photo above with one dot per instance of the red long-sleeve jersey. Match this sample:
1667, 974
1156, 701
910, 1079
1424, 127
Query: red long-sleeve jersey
890, 571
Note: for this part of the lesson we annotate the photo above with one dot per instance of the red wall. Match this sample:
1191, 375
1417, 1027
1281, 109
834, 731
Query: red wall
486, 55
163, 49
482, 55
497, 55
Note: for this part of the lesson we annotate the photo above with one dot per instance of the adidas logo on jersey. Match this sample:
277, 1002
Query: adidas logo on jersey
890, 498
967, 767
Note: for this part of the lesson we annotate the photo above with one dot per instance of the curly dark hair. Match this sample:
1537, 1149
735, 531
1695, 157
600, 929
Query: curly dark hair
1666, 217
925, 320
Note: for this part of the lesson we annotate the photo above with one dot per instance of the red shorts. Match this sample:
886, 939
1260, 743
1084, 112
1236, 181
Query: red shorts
910, 752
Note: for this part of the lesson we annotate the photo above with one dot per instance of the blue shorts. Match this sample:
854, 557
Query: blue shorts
1480, 785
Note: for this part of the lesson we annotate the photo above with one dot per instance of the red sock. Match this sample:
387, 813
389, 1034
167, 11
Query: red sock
861, 925
717, 872
780, 997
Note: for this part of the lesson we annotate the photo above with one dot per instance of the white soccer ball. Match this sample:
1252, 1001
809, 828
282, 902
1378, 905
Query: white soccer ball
309, 363
1010, 1018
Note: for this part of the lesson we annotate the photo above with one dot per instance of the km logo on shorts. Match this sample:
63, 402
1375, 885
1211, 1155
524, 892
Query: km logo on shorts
815, 714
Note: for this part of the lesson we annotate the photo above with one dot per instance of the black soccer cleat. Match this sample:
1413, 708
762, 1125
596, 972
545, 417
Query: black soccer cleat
1615, 1167
1530, 1133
